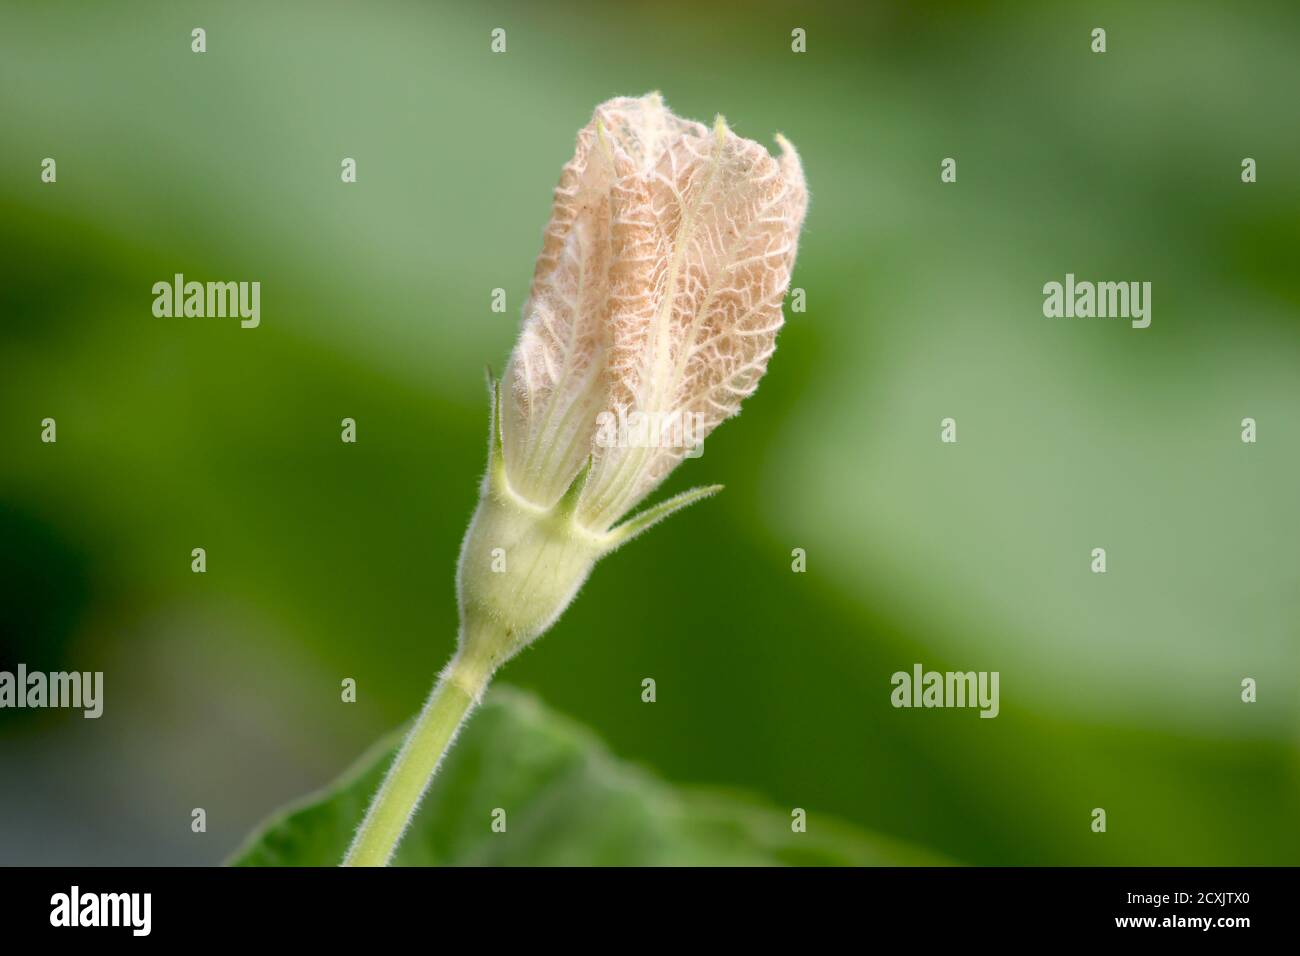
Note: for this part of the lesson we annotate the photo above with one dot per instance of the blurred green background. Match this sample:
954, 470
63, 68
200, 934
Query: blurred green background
328, 560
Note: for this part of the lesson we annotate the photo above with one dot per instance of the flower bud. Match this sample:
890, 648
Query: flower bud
657, 293
656, 297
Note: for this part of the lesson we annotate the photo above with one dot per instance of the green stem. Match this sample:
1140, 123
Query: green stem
458, 689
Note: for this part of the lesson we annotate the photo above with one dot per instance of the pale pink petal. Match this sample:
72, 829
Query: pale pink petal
554, 382
703, 245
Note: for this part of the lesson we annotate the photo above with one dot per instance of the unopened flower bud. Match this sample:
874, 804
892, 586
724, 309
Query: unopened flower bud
656, 298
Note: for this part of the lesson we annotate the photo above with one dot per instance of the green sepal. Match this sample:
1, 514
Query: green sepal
643, 521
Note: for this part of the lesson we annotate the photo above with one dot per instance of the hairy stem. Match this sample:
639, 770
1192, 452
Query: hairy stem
459, 688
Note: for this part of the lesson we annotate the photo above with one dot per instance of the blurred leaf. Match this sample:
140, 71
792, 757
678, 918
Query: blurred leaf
568, 801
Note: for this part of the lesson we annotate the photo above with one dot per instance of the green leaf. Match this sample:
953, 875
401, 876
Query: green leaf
567, 801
